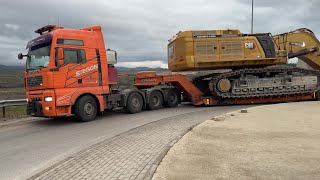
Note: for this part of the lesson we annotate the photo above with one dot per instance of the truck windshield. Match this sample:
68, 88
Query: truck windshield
39, 56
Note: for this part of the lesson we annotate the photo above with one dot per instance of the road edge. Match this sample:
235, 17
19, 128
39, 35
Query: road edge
19, 121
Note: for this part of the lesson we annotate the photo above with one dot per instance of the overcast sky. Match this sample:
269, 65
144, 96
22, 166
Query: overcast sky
139, 29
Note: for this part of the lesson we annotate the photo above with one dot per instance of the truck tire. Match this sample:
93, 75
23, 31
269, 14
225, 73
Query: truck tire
85, 109
134, 103
318, 95
155, 100
173, 98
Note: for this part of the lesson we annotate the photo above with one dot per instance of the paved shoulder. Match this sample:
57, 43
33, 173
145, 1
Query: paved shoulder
269, 142
131, 155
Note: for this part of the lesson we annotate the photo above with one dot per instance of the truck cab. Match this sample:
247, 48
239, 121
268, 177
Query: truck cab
65, 64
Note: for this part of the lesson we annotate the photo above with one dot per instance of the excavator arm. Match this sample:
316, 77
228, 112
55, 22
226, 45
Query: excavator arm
301, 43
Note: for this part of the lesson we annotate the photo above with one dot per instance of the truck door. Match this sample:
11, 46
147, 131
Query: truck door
73, 59
68, 74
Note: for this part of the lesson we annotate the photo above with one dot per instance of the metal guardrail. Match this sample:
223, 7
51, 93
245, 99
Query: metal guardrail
13, 102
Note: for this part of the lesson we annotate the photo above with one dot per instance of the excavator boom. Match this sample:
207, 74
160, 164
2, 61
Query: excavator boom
301, 43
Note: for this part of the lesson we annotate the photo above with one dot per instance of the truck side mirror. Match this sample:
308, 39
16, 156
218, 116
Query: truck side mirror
112, 57
60, 57
20, 56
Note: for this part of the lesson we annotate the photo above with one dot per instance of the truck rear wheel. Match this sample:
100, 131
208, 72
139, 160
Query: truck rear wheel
85, 109
173, 98
155, 100
134, 103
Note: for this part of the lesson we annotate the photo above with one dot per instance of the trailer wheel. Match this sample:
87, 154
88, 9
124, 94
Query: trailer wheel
155, 100
173, 98
85, 109
134, 103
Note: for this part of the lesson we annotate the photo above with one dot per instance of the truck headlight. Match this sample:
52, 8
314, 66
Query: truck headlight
48, 99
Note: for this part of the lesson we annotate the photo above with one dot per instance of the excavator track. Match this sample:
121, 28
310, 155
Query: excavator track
262, 82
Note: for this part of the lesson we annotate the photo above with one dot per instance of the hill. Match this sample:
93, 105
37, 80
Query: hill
11, 68
124, 69
4, 68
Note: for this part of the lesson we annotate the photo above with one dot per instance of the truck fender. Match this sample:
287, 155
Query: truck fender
126, 93
98, 98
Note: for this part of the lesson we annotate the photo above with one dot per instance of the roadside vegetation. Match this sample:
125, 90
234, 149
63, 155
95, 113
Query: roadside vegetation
15, 112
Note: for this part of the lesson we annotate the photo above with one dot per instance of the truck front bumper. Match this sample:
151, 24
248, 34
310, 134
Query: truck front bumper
37, 106
34, 109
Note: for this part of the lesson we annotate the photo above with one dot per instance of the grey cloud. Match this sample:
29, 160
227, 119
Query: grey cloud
139, 29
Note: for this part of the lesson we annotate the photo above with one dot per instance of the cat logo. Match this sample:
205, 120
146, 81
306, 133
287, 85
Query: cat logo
249, 45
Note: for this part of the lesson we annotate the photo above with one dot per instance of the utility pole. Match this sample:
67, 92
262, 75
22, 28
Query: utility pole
252, 17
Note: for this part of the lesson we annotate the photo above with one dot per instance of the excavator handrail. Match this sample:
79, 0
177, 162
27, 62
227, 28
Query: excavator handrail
303, 30
295, 31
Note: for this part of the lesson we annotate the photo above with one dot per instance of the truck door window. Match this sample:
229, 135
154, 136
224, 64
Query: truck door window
70, 42
74, 56
70, 56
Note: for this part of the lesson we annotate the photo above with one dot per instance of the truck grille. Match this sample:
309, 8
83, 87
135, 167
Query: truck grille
34, 81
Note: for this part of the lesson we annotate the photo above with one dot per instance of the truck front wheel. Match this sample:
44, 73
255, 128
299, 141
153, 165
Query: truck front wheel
134, 103
85, 109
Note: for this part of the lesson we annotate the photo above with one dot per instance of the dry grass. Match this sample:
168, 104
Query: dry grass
15, 112
12, 93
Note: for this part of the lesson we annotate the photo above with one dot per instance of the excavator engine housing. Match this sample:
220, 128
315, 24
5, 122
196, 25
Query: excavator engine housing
221, 49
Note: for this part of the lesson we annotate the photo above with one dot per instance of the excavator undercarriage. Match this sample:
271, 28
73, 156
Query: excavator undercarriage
260, 82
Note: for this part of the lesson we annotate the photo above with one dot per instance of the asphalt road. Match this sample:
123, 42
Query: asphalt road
30, 147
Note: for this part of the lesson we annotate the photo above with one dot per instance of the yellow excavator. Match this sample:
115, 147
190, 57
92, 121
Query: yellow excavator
255, 62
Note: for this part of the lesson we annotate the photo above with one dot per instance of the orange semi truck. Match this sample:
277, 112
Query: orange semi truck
69, 72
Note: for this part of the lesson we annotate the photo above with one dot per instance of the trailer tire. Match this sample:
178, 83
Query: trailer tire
155, 100
134, 103
85, 108
173, 98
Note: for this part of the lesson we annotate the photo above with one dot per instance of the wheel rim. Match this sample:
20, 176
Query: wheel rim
173, 98
135, 102
88, 108
155, 101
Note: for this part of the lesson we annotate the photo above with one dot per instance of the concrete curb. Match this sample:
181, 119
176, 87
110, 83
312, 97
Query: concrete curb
18, 121
165, 150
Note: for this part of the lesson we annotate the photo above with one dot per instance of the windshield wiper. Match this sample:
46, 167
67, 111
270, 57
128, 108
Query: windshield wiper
39, 67
36, 67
